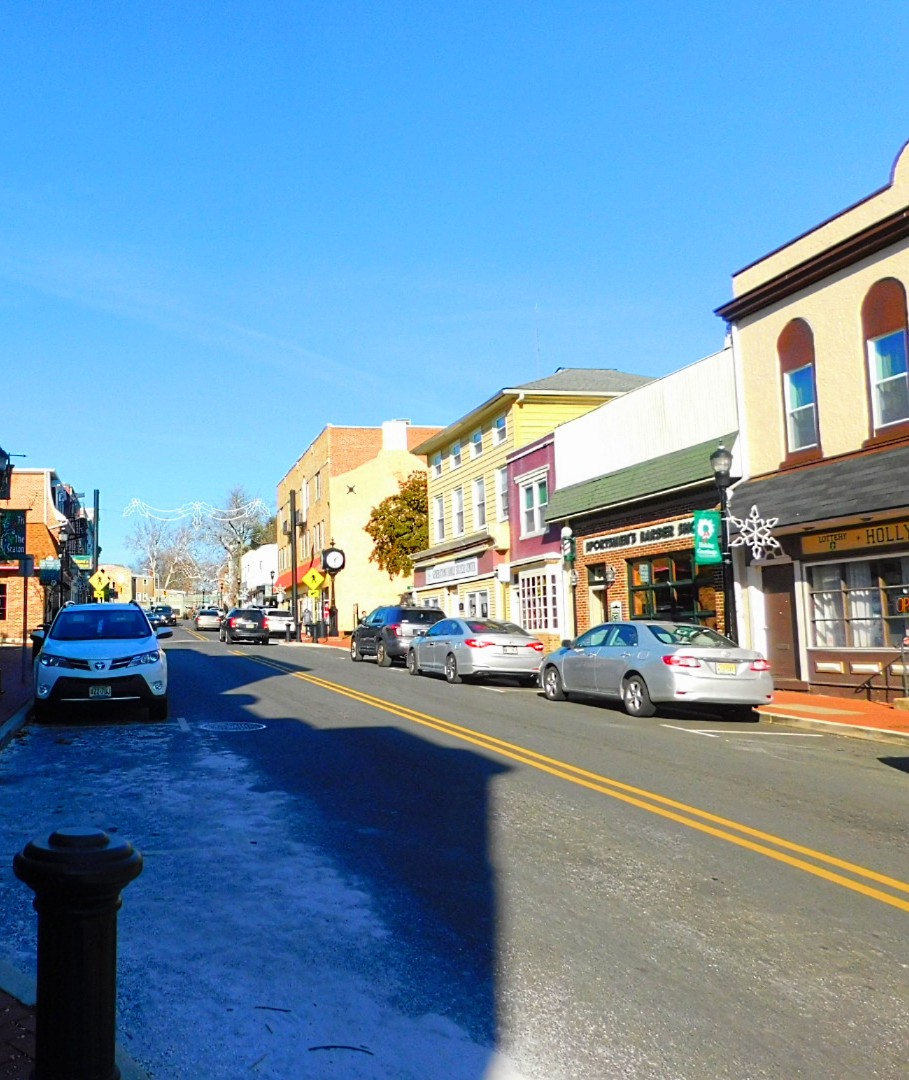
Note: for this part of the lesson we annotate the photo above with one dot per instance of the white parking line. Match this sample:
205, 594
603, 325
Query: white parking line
712, 734
182, 724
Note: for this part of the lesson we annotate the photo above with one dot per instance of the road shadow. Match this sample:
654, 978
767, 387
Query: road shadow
899, 763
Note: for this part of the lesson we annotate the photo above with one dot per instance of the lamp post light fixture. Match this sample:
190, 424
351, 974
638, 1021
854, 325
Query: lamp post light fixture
721, 463
271, 574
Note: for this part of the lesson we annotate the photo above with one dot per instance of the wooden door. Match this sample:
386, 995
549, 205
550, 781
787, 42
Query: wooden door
782, 631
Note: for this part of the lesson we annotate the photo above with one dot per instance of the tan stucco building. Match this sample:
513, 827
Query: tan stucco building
334, 486
820, 338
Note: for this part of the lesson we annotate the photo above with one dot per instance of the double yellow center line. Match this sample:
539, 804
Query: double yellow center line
803, 858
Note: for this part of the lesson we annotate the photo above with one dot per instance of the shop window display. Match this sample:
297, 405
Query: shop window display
672, 587
861, 604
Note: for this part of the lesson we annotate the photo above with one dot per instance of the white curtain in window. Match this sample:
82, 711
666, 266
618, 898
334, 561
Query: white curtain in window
827, 606
864, 606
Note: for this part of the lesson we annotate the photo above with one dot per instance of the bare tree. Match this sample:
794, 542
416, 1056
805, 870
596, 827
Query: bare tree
233, 531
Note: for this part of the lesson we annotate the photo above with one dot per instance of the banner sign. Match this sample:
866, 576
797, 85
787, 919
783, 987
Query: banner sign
707, 550
12, 534
650, 534
451, 571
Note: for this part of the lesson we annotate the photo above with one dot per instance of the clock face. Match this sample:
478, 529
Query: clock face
334, 559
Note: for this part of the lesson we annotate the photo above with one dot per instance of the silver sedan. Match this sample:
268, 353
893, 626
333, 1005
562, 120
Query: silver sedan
208, 619
646, 663
460, 648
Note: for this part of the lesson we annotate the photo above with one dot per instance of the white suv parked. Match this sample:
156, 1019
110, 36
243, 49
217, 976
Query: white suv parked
100, 652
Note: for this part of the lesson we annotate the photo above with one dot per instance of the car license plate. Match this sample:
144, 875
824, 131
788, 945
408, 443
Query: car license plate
99, 691
726, 669
245, 625
511, 650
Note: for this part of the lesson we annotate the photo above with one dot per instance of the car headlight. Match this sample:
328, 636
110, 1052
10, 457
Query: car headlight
145, 658
49, 660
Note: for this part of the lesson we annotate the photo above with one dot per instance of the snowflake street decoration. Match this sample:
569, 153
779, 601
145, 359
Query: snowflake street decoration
756, 532
197, 511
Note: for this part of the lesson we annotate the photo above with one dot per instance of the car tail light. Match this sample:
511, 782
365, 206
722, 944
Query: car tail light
476, 643
537, 646
680, 660
231, 622
760, 665
394, 628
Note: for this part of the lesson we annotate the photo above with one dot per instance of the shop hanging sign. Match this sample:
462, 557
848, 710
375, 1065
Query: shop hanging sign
12, 534
867, 536
707, 548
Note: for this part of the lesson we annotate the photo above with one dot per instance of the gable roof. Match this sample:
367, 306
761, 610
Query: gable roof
566, 382
670, 472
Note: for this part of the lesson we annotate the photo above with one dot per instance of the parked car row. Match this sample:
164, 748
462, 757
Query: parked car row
640, 663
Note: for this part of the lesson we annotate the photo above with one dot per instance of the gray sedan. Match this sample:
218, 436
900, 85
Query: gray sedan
208, 619
646, 663
475, 647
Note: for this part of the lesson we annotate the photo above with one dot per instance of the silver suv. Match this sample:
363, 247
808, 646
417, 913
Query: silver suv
385, 633
96, 653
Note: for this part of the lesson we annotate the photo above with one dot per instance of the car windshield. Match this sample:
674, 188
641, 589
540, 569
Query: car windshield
684, 634
100, 626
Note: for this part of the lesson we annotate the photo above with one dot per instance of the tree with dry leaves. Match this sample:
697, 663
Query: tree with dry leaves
399, 526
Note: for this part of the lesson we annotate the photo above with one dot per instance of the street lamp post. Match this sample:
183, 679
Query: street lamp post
271, 574
721, 463
568, 560
62, 540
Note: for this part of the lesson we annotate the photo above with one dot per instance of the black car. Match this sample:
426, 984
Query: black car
386, 632
244, 624
163, 615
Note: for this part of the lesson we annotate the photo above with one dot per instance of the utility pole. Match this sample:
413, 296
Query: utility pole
96, 550
293, 560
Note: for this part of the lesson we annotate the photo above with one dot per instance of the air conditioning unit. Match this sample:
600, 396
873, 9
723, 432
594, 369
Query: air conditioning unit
285, 528
301, 517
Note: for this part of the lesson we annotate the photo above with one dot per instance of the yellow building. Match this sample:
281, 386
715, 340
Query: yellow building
819, 333
467, 568
326, 499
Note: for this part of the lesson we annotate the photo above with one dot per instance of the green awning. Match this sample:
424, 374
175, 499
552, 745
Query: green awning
659, 476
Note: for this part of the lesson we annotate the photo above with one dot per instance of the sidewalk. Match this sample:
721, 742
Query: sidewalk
843, 716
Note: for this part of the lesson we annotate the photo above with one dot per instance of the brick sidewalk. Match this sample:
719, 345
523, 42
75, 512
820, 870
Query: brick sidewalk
17, 1039
16, 690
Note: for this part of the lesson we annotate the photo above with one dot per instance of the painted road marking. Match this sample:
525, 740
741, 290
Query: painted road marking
733, 832
711, 734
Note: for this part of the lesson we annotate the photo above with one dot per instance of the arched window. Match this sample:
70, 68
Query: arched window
884, 329
795, 348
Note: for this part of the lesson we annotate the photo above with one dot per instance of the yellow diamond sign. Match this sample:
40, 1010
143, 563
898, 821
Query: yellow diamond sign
99, 581
313, 579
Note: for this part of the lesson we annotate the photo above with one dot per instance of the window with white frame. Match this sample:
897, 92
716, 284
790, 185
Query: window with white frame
534, 500
476, 444
478, 604
538, 599
479, 503
500, 430
801, 408
457, 512
438, 517
889, 378
502, 494
455, 455
859, 604
437, 464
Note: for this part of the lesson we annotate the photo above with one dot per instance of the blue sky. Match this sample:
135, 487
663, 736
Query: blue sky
224, 225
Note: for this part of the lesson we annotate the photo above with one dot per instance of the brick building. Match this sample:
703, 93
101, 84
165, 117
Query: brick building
338, 480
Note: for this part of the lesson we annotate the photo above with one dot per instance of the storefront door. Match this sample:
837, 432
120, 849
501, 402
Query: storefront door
782, 634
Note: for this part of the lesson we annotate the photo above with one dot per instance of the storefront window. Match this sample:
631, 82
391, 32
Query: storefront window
538, 596
668, 587
862, 604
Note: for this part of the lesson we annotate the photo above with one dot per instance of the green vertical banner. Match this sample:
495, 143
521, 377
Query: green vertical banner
12, 535
707, 550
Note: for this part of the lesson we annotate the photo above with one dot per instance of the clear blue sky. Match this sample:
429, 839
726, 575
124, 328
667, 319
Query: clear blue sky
224, 225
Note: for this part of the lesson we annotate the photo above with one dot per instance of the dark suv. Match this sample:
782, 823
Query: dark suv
164, 615
386, 632
244, 624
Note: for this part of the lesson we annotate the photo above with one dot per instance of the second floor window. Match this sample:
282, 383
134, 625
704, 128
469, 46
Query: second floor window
457, 512
476, 444
801, 411
889, 384
438, 517
534, 499
479, 503
502, 494
437, 464
500, 430
456, 456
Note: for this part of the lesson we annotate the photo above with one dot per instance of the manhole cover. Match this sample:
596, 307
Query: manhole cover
242, 725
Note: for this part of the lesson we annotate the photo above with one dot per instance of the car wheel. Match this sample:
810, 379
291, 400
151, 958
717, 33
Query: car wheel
452, 674
355, 653
636, 697
382, 657
158, 709
412, 666
552, 685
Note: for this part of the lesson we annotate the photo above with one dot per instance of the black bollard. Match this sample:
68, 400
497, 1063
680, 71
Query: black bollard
77, 874
287, 631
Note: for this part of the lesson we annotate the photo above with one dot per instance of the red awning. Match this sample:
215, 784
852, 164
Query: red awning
283, 580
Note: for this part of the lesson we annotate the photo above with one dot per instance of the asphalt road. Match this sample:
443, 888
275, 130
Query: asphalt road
389, 877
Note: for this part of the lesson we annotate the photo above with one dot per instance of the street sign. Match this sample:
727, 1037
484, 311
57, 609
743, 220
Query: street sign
99, 594
314, 594
99, 580
707, 535
313, 578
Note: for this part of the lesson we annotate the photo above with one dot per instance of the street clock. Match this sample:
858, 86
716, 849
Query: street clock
333, 560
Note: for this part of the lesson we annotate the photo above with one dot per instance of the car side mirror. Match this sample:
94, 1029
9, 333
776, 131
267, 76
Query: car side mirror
164, 631
38, 636
567, 643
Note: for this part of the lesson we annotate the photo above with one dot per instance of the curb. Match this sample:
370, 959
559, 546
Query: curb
857, 731
15, 723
